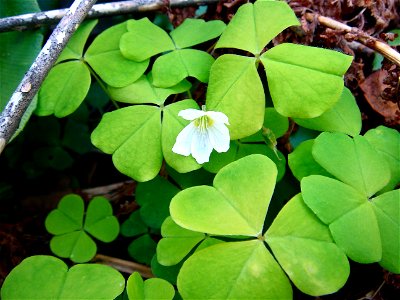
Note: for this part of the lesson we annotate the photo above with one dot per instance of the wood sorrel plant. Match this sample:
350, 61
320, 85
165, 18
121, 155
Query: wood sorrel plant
223, 239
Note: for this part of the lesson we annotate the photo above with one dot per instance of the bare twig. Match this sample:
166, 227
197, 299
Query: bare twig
361, 36
27, 89
123, 265
27, 21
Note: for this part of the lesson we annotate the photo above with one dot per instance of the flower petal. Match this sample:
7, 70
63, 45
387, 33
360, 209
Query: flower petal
191, 114
218, 117
219, 137
183, 141
201, 147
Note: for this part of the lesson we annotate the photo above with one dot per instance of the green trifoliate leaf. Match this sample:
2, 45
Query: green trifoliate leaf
304, 81
64, 89
143, 91
387, 210
154, 197
144, 40
151, 289
348, 213
304, 248
224, 209
76, 245
168, 273
67, 217
47, 277
344, 116
133, 136
176, 243
302, 163
239, 270
143, 249
105, 57
196, 31
134, 225
236, 90
353, 161
254, 26
100, 221
386, 141
171, 68
172, 126
74, 48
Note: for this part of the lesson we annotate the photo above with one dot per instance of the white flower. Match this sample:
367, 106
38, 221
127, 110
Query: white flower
206, 131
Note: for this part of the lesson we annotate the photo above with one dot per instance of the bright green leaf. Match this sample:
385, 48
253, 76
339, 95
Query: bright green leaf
224, 209
171, 68
154, 197
133, 135
143, 91
74, 48
176, 243
100, 221
47, 277
236, 90
353, 161
344, 116
254, 26
144, 40
236, 270
196, 31
348, 213
302, 163
387, 210
64, 89
67, 217
151, 289
76, 245
134, 286
304, 248
304, 81
386, 141
172, 126
106, 59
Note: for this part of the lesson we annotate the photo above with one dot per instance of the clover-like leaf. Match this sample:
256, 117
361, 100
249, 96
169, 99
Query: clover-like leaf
302, 163
291, 67
353, 161
74, 48
154, 197
134, 225
172, 126
236, 90
143, 249
386, 141
224, 209
255, 25
196, 31
143, 91
67, 217
64, 89
171, 68
105, 57
100, 221
47, 277
239, 270
76, 245
387, 211
133, 135
304, 248
348, 213
176, 243
344, 116
143, 40
150, 289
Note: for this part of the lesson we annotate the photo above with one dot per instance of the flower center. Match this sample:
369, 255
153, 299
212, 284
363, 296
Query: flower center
203, 123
